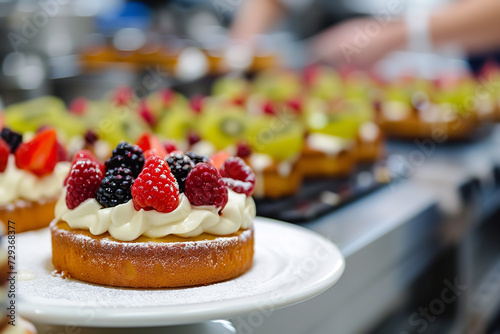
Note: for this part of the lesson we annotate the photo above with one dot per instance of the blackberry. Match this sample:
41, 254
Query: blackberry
12, 138
90, 137
115, 187
180, 165
127, 156
196, 158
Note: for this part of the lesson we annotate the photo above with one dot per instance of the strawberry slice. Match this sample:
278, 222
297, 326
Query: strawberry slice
39, 156
219, 158
147, 141
146, 113
4, 155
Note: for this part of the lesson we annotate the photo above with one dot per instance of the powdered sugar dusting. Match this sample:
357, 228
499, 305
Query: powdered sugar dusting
279, 251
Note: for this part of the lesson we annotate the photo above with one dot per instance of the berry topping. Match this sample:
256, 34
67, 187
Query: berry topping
168, 97
269, 109
12, 138
149, 142
83, 181
155, 188
122, 95
180, 166
295, 105
4, 155
127, 156
62, 154
219, 158
90, 137
87, 155
39, 155
204, 186
196, 158
84, 155
193, 138
196, 103
78, 106
151, 153
115, 187
146, 113
169, 146
243, 150
238, 176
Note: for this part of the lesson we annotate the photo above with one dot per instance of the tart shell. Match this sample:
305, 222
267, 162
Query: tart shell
28, 215
170, 261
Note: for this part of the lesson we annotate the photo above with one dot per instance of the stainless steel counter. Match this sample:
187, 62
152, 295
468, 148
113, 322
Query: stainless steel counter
389, 237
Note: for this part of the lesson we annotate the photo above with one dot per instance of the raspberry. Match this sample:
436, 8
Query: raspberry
84, 155
84, 179
115, 187
155, 188
243, 150
127, 156
169, 146
12, 138
180, 166
204, 186
238, 176
196, 158
4, 155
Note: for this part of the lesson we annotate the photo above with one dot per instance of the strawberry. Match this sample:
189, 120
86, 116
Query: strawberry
148, 142
219, 158
39, 156
4, 155
146, 113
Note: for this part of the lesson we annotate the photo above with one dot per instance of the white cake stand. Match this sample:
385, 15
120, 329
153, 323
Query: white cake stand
291, 264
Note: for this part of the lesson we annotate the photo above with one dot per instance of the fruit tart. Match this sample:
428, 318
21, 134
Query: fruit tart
429, 110
330, 146
275, 139
158, 222
31, 176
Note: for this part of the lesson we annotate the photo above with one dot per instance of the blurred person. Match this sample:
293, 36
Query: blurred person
471, 25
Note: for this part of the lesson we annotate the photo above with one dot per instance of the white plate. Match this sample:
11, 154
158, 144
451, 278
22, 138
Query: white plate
291, 264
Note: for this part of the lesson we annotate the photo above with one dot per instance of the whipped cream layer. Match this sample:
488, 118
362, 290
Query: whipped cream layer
124, 223
18, 184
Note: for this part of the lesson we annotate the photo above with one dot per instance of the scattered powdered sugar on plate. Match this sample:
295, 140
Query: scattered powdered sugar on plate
287, 259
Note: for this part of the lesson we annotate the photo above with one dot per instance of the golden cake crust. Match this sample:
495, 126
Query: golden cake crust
314, 163
28, 215
150, 263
